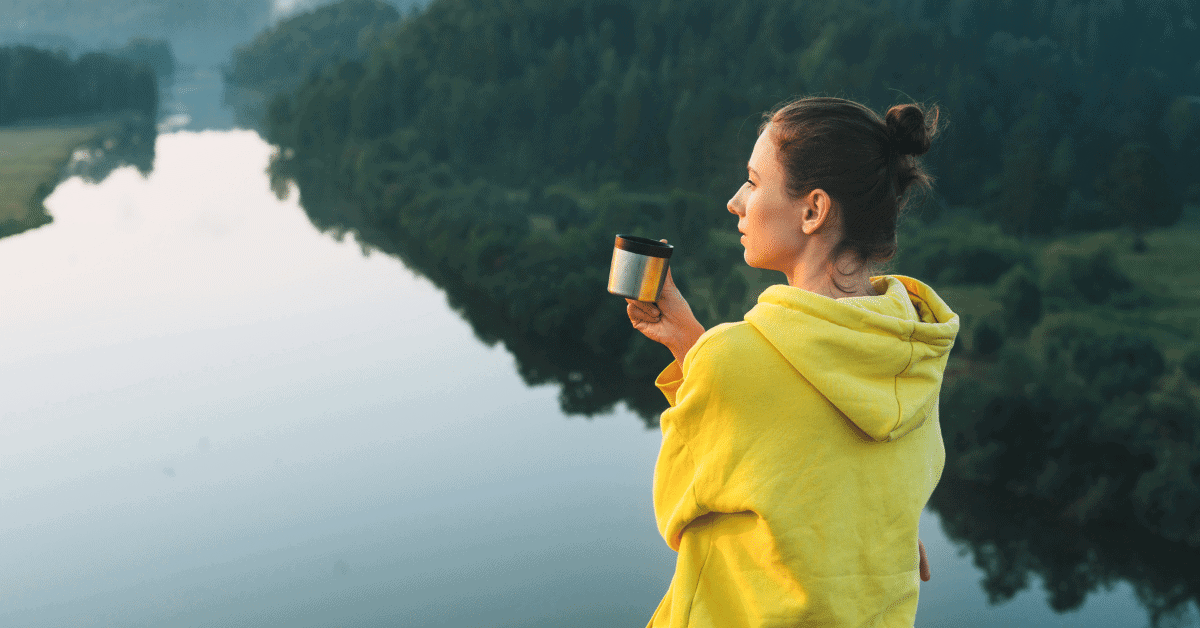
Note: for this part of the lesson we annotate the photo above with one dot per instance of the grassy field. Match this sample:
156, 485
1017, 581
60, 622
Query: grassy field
1167, 269
32, 157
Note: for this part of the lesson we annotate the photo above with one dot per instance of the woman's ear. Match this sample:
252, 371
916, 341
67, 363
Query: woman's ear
816, 209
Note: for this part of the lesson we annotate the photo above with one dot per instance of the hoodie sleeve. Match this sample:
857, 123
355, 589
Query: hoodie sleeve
694, 439
669, 380
675, 472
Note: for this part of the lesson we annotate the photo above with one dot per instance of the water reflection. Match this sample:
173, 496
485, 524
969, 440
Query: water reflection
130, 142
602, 363
342, 446
343, 449
1005, 543
1016, 541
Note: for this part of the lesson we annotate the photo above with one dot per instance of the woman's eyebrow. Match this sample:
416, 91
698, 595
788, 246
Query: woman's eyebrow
752, 171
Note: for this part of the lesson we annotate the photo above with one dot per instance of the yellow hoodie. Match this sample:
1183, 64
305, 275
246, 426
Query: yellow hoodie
798, 452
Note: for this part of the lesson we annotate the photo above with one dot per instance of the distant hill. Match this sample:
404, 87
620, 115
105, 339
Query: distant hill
78, 26
283, 9
155, 54
307, 44
90, 24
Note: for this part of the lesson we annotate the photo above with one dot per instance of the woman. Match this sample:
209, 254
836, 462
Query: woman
802, 443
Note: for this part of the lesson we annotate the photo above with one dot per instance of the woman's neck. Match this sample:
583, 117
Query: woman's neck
819, 279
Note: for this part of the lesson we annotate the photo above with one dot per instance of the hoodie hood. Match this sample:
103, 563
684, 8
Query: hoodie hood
879, 360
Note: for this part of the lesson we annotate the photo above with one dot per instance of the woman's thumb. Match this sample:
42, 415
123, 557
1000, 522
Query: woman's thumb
670, 280
669, 283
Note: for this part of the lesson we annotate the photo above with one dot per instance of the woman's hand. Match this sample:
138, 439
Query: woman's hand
924, 561
670, 322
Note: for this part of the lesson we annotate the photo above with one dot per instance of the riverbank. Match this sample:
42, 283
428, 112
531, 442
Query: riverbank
34, 157
31, 158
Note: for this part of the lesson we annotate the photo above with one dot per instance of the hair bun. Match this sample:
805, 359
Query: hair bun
908, 131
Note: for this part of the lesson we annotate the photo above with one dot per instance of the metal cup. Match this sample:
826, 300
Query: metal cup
639, 268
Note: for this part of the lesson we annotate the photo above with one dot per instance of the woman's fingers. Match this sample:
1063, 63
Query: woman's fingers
643, 307
643, 312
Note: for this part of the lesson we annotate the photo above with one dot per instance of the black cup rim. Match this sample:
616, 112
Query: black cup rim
643, 246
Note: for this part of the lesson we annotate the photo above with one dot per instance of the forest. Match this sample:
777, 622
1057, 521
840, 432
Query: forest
38, 83
498, 148
55, 110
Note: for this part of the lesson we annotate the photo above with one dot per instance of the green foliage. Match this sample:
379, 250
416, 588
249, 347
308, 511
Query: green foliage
1085, 418
154, 53
1110, 360
36, 84
958, 251
1020, 301
1137, 191
1191, 365
591, 118
280, 59
1075, 276
35, 158
1032, 185
987, 336
1084, 429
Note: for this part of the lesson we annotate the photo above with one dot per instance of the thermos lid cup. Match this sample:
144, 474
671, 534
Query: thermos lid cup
643, 246
639, 267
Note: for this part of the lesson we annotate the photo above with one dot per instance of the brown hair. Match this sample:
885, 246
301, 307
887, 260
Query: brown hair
865, 163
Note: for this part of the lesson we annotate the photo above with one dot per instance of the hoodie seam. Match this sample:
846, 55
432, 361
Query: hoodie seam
708, 535
912, 352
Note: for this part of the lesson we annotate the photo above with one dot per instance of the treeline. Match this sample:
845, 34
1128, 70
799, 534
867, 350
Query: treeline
154, 53
37, 84
1046, 120
500, 147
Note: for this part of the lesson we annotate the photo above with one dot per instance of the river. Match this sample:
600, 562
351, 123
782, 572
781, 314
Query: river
215, 415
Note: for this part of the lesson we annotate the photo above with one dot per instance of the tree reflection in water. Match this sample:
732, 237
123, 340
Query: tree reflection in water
129, 142
1012, 538
513, 286
1058, 461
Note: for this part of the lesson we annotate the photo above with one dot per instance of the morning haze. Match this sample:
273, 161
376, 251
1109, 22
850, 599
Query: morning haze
305, 320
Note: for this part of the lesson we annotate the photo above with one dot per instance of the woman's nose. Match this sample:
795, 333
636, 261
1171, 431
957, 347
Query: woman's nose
732, 205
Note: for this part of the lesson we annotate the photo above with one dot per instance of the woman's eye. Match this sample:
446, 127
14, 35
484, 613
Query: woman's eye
750, 183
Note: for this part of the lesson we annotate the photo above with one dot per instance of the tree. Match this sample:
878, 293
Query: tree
1020, 301
1137, 192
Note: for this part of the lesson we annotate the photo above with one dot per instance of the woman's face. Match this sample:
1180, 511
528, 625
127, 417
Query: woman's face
768, 218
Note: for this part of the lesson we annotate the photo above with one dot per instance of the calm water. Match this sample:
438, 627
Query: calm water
214, 415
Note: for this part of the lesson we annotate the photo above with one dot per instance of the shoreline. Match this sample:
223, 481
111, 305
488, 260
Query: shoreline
35, 157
